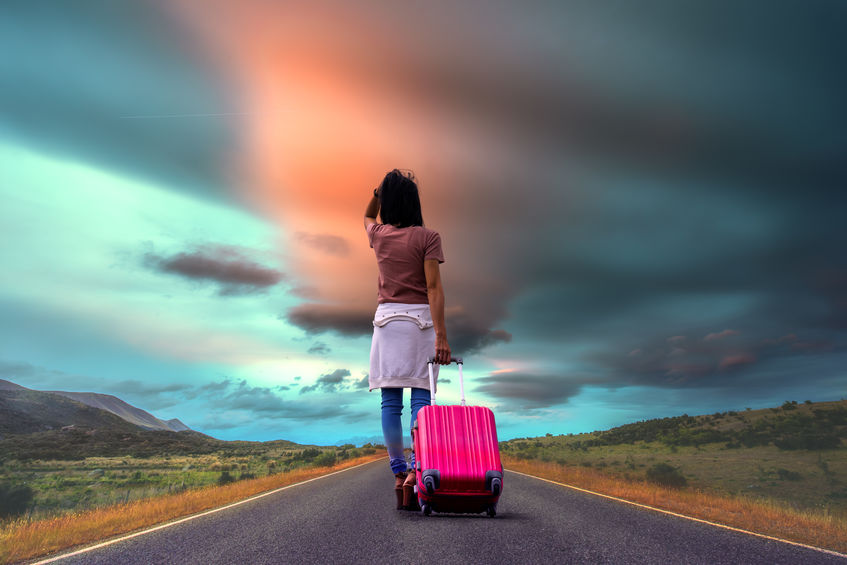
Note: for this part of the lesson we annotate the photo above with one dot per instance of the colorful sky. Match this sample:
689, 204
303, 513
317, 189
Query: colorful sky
642, 204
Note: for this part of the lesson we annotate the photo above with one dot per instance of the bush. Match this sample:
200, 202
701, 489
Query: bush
809, 441
787, 475
325, 459
225, 478
14, 499
665, 475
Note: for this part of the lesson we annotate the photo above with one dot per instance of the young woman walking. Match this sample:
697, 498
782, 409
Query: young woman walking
409, 321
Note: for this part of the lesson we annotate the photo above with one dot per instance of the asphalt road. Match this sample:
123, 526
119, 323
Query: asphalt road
350, 518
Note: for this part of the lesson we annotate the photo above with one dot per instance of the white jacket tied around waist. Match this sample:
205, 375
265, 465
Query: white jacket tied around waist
403, 341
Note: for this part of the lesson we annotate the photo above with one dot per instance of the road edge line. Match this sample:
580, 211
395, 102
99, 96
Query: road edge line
677, 515
193, 516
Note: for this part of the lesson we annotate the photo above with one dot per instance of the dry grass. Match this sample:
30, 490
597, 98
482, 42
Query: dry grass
817, 528
22, 539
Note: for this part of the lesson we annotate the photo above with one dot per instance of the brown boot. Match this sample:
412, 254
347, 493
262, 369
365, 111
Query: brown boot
410, 500
398, 489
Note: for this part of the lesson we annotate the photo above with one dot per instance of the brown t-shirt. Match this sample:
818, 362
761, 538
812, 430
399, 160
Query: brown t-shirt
400, 255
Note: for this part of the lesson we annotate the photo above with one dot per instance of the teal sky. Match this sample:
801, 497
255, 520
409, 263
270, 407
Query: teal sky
641, 207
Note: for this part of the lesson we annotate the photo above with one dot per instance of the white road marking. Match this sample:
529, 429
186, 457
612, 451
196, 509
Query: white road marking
668, 512
193, 516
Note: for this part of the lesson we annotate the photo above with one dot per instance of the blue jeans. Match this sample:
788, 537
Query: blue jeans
392, 428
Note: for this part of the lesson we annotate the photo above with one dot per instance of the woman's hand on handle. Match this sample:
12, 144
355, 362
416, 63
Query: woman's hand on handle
442, 350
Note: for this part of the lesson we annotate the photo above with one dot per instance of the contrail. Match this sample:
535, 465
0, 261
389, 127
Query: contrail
157, 116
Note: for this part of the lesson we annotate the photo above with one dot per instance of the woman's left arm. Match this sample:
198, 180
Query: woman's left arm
372, 210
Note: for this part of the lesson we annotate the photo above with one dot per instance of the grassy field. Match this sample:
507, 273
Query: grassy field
60, 486
818, 528
27, 538
792, 454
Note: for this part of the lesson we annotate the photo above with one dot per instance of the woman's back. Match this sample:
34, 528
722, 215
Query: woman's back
400, 255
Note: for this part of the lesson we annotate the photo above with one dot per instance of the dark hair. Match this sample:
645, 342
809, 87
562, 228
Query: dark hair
399, 202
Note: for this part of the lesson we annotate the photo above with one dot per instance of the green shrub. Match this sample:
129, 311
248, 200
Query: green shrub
225, 478
810, 441
14, 499
665, 475
787, 475
325, 459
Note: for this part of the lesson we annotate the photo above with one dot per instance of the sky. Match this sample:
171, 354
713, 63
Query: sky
642, 205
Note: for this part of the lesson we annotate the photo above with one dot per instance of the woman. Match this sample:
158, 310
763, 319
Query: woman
409, 321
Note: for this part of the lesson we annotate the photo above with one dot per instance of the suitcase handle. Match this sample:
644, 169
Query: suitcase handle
460, 363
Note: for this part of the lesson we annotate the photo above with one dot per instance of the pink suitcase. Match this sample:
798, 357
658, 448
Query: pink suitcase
457, 457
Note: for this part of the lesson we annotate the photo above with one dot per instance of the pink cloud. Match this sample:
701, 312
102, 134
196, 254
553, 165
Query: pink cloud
720, 335
731, 361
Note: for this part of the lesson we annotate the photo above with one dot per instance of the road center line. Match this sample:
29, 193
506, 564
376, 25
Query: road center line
668, 512
193, 516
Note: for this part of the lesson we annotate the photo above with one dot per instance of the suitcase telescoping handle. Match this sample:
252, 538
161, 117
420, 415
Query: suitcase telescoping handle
460, 363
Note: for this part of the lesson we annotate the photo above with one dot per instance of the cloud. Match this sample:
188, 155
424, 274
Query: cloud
466, 334
70, 102
252, 402
319, 348
731, 361
326, 243
225, 266
362, 383
329, 382
720, 335
522, 390
139, 388
319, 318
718, 362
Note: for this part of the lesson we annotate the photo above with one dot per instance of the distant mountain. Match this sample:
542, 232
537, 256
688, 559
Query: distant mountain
23, 410
124, 410
176, 425
8, 385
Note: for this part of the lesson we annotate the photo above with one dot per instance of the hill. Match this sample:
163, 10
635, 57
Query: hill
794, 453
25, 411
124, 410
821, 425
34, 412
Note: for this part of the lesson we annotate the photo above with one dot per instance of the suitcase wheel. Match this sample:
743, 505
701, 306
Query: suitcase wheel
426, 509
491, 510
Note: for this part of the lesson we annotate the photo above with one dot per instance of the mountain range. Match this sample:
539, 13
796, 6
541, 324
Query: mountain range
24, 410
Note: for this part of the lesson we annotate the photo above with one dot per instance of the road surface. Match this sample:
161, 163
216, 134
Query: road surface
349, 517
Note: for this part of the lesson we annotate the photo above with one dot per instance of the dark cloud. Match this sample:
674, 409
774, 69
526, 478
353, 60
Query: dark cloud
731, 361
235, 273
262, 402
466, 335
319, 348
68, 94
524, 391
319, 318
362, 383
215, 387
138, 388
11, 370
329, 382
326, 243
124, 62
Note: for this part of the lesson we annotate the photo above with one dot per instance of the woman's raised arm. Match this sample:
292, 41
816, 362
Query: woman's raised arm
372, 210
435, 293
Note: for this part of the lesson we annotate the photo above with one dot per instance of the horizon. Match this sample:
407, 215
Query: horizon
641, 207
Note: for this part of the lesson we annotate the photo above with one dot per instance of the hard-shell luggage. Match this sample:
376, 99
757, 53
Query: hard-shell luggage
457, 457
